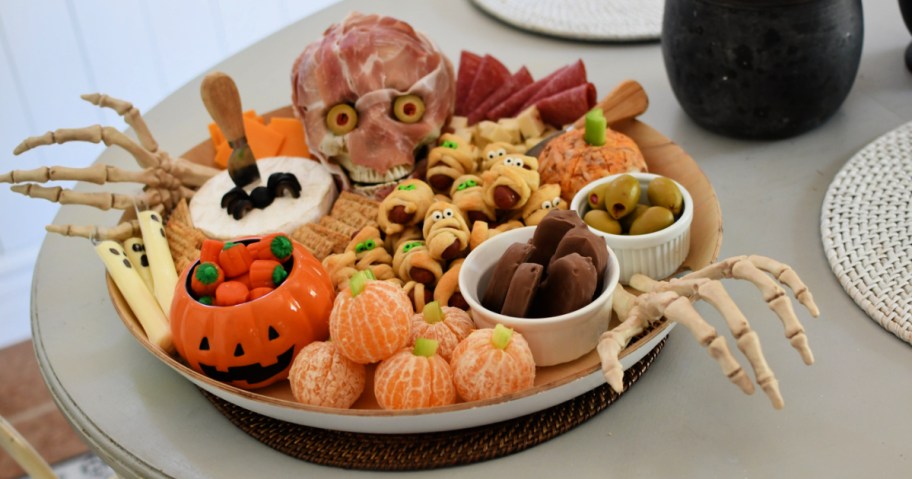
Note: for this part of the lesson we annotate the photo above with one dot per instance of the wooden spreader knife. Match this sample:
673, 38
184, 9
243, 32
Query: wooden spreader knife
222, 100
627, 100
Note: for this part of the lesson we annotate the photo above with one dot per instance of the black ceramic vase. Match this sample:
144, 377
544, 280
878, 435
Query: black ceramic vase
905, 6
761, 68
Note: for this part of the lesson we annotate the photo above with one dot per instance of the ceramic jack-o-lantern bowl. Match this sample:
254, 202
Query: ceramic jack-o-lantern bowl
251, 345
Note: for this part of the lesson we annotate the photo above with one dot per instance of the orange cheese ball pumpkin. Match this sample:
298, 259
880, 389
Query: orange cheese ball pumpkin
490, 363
414, 378
321, 376
370, 320
447, 325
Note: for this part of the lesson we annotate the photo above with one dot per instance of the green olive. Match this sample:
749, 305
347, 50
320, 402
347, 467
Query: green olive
602, 221
622, 196
341, 119
664, 192
629, 219
596, 197
653, 219
408, 108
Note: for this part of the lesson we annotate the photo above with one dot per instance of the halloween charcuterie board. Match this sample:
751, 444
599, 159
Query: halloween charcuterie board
553, 384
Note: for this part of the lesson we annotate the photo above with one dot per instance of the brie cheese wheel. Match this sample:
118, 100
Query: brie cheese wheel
285, 214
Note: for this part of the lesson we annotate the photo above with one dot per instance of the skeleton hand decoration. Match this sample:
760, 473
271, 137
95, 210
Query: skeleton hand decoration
165, 179
674, 298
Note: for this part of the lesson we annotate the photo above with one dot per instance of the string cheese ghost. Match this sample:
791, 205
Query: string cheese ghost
161, 264
144, 305
136, 252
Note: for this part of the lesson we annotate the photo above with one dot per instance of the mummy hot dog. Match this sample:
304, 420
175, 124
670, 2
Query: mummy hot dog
510, 181
161, 264
144, 305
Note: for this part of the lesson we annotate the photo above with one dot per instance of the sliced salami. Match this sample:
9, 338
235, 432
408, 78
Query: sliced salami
568, 105
519, 80
511, 106
468, 68
564, 79
491, 75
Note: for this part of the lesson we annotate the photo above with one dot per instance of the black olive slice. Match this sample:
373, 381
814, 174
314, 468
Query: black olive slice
240, 208
281, 183
261, 197
233, 194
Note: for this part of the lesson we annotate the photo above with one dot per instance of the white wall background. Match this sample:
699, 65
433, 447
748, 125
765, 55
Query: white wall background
51, 51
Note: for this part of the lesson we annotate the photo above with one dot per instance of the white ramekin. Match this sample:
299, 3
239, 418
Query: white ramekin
657, 255
553, 340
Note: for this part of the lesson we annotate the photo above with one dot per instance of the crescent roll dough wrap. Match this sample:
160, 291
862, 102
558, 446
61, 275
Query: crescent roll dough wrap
545, 199
495, 152
453, 158
445, 231
467, 194
413, 262
341, 267
404, 206
447, 292
517, 172
370, 254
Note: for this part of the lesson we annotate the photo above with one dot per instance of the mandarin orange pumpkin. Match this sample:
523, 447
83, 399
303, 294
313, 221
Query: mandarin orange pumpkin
252, 344
370, 319
415, 378
492, 362
321, 376
447, 325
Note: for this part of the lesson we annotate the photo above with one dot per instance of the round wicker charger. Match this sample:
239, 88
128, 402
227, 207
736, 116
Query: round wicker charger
394, 452
866, 225
588, 20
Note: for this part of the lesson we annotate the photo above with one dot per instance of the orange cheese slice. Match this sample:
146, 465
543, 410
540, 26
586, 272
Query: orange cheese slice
293, 131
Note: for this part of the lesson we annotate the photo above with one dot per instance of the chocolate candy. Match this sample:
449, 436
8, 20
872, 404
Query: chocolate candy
571, 284
580, 240
522, 291
550, 231
496, 291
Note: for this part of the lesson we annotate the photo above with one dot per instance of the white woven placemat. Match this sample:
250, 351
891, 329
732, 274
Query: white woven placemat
593, 20
866, 225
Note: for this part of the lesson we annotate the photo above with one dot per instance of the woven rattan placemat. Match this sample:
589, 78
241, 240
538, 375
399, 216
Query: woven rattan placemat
393, 452
590, 20
866, 225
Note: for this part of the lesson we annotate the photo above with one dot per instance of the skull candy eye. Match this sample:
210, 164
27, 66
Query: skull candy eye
408, 108
341, 119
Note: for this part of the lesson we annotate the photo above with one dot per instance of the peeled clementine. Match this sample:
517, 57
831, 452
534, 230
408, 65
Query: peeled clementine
490, 363
414, 378
447, 325
321, 376
370, 320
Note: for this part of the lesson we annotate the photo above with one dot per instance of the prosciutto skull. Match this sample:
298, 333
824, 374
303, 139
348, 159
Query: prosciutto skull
371, 92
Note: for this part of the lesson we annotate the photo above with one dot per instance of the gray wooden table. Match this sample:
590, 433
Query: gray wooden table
849, 415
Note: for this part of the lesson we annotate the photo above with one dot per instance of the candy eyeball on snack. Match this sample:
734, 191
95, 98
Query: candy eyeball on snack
498, 153
514, 161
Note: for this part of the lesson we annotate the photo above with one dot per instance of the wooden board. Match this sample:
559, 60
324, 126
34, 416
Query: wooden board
662, 157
